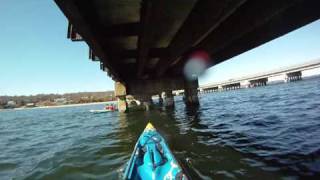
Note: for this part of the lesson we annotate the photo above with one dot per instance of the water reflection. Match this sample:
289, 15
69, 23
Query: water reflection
246, 134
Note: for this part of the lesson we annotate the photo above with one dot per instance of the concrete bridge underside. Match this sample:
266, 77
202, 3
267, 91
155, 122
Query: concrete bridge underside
143, 43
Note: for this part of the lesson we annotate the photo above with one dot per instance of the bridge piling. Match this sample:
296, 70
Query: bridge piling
191, 92
293, 76
168, 99
258, 82
145, 100
120, 93
160, 99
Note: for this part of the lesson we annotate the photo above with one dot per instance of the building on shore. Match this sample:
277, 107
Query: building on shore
11, 104
30, 105
60, 101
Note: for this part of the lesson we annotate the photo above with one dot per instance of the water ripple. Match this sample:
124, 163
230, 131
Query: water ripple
271, 132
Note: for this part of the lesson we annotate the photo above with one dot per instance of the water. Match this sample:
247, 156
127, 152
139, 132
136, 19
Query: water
271, 132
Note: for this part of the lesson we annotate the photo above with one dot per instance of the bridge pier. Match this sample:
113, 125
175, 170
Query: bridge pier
191, 92
120, 93
232, 86
152, 87
258, 82
211, 89
160, 99
168, 99
293, 76
143, 90
145, 100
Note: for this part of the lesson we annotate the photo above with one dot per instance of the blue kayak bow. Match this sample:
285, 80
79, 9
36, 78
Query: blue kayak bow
152, 159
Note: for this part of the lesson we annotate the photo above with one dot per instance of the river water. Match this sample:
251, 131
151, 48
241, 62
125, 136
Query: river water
270, 132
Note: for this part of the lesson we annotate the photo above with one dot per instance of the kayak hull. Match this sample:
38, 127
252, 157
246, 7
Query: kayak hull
152, 159
101, 111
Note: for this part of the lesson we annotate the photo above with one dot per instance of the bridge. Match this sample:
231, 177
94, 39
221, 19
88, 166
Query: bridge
288, 74
143, 45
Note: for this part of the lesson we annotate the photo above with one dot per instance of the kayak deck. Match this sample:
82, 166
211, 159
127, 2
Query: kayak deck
152, 159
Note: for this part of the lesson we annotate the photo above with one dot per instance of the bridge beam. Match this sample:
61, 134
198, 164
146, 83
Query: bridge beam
127, 29
154, 86
205, 17
133, 53
262, 21
295, 15
72, 33
150, 13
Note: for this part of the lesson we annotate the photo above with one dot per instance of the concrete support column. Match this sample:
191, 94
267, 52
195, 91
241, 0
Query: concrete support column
147, 104
145, 100
120, 93
168, 99
191, 92
160, 98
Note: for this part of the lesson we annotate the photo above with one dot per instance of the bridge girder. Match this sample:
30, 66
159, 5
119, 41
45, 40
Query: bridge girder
148, 39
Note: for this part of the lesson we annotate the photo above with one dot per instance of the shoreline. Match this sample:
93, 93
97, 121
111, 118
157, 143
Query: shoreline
60, 106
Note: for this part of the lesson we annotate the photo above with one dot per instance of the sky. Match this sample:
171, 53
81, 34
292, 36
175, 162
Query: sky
36, 57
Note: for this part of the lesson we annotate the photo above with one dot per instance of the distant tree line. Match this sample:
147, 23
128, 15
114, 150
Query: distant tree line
49, 99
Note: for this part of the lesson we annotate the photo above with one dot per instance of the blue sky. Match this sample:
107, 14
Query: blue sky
36, 57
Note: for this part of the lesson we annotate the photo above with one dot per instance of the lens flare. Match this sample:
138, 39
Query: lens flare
194, 68
196, 65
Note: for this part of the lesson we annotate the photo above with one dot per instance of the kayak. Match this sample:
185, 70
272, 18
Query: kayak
100, 110
152, 159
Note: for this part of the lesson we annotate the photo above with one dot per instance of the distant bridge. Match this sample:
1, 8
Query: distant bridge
292, 73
